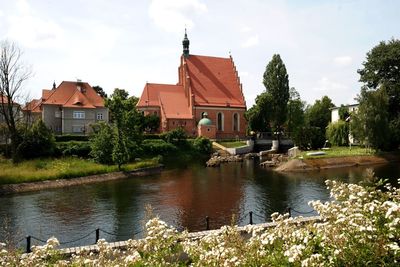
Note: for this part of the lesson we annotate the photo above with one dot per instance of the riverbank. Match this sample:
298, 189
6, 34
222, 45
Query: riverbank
315, 164
49, 184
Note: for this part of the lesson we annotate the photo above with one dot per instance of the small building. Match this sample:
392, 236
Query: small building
335, 111
69, 108
205, 85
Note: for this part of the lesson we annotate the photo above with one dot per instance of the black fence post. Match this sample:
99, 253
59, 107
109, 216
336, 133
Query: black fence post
251, 217
97, 235
28, 244
207, 223
289, 210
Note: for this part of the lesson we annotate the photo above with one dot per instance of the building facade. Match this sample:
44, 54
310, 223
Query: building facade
70, 108
205, 85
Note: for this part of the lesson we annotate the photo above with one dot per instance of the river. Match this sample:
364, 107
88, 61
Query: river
181, 196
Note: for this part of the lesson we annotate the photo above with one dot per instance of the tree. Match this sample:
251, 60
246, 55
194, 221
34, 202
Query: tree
13, 74
151, 123
99, 90
259, 115
343, 112
102, 143
370, 124
295, 115
276, 82
338, 133
381, 71
120, 154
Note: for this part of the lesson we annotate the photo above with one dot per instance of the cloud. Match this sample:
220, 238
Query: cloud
173, 15
31, 30
343, 60
327, 85
252, 41
245, 28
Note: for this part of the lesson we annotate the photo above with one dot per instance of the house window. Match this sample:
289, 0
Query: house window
78, 114
57, 114
235, 122
99, 116
78, 128
220, 121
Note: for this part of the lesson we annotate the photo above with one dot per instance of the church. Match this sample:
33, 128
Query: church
207, 101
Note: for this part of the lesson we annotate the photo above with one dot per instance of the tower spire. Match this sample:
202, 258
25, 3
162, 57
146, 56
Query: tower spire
185, 44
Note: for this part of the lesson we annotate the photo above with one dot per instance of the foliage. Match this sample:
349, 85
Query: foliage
176, 136
343, 112
202, 145
319, 114
295, 115
73, 148
359, 226
38, 141
70, 137
276, 82
381, 73
99, 90
309, 137
13, 74
259, 116
155, 147
101, 144
338, 133
370, 124
58, 168
151, 123
120, 154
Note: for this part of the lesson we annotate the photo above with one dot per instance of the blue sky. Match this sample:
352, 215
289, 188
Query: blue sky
125, 43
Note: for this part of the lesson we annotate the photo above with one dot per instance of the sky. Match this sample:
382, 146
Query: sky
125, 43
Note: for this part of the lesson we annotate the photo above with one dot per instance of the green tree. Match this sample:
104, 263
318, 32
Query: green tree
120, 154
99, 90
151, 123
343, 112
338, 133
38, 141
295, 115
370, 124
101, 144
276, 82
381, 71
259, 115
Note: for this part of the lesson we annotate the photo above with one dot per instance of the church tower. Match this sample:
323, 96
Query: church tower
185, 44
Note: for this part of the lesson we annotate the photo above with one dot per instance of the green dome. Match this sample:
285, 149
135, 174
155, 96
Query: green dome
205, 121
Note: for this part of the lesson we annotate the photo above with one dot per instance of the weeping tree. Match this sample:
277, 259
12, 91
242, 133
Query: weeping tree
13, 74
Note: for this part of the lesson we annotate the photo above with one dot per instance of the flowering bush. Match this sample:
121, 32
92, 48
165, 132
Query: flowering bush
360, 226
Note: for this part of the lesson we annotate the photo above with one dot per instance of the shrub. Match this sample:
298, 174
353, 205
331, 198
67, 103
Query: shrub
338, 133
202, 145
157, 147
177, 136
68, 137
37, 141
73, 148
309, 137
101, 144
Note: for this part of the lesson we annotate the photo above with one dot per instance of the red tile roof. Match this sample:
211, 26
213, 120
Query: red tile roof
33, 106
4, 99
214, 81
67, 94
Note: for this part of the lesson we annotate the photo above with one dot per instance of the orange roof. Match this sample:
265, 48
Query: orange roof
175, 105
33, 106
67, 94
4, 99
214, 81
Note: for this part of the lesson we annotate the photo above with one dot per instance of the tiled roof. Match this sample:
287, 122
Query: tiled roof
214, 81
4, 99
67, 94
33, 106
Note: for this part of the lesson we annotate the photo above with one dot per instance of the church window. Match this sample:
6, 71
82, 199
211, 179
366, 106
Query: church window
235, 122
220, 121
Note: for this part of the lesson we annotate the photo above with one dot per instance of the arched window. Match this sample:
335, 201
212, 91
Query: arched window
220, 121
236, 122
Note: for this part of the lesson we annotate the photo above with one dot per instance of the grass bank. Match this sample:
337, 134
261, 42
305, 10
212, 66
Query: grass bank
232, 144
335, 152
51, 169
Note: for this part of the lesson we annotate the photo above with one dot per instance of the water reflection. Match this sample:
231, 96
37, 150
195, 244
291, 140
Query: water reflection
182, 197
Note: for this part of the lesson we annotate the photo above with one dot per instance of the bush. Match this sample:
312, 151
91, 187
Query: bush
73, 148
67, 137
102, 143
157, 147
202, 145
338, 133
152, 136
37, 141
176, 136
309, 137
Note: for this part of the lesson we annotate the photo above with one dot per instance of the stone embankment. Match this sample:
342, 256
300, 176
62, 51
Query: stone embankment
296, 165
216, 160
36, 186
274, 160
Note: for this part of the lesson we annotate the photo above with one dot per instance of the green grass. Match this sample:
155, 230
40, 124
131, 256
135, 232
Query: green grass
232, 144
341, 152
51, 169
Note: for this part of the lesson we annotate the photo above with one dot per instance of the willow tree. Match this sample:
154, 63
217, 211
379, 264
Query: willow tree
276, 82
13, 74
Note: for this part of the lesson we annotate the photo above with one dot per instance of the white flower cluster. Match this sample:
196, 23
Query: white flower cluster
360, 226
